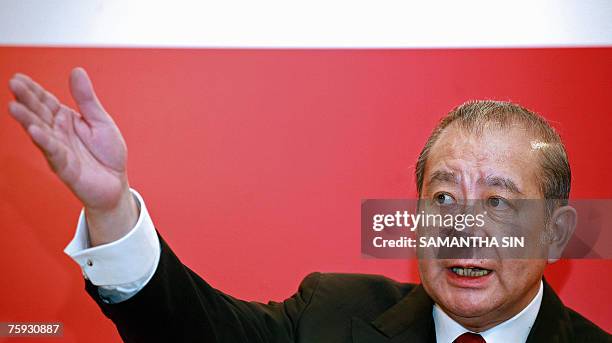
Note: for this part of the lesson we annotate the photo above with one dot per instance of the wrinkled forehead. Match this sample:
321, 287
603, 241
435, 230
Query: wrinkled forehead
509, 153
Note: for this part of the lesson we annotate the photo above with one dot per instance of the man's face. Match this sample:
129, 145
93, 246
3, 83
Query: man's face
461, 166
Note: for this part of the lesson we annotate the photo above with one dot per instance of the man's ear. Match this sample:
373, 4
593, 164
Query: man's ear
561, 228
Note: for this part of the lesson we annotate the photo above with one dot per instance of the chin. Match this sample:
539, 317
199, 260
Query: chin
464, 302
468, 306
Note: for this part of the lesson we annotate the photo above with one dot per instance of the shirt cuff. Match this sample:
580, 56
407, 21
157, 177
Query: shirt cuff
127, 260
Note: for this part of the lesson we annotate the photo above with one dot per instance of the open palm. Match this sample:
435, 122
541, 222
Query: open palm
85, 149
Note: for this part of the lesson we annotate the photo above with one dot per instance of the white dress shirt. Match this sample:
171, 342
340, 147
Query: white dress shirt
122, 268
515, 329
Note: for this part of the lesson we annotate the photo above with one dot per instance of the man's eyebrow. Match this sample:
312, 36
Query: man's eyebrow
440, 176
501, 182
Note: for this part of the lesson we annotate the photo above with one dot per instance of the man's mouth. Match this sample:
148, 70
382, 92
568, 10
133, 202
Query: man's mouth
470, 271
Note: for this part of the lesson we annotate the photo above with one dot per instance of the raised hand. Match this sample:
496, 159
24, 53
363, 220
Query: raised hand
85, 149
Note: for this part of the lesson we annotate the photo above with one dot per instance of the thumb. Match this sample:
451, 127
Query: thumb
83, 94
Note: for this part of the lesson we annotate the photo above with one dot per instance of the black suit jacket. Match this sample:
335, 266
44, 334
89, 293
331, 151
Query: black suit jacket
178, 306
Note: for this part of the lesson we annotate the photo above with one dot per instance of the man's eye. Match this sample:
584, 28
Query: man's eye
444, 199
497, 203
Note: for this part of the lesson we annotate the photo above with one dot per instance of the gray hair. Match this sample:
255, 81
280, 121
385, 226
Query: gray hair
554, 176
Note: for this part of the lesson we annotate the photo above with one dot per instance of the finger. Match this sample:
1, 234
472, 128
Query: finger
62, 121
44, 96
26, 97
64, 125
46, 142
85, 97
53, 149
24, 116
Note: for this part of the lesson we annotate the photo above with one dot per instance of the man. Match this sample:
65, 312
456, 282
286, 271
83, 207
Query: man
495, 151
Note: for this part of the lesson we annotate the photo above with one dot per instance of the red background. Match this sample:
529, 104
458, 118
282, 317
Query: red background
253, 162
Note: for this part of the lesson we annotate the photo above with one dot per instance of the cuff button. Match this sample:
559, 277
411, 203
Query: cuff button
89, 262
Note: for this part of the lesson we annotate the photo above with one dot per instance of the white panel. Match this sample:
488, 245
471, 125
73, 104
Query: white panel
307, 23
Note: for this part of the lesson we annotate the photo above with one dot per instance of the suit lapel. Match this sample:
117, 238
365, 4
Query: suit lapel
552, 323
364, 332
410, 320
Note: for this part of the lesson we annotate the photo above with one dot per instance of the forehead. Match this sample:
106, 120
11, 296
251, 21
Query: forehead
498, 152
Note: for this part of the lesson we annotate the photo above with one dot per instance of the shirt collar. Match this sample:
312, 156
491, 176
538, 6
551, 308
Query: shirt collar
517, 327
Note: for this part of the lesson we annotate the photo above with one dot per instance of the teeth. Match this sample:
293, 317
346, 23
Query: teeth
470, 272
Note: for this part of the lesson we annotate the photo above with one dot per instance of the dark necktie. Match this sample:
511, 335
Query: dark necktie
469, 337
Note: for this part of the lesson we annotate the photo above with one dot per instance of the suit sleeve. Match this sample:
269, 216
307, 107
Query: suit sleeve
176, 305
